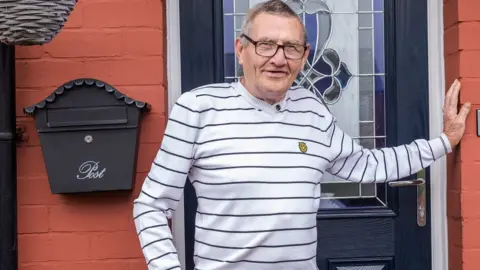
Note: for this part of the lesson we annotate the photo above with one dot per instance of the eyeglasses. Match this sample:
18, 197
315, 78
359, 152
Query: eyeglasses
269, 49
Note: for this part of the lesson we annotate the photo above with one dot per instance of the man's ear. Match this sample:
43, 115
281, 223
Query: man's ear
239, 50
305, 56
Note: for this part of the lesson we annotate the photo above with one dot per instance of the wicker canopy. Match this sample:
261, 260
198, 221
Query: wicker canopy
32, 22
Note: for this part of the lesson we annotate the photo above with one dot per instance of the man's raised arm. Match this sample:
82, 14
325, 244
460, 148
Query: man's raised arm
163, 186
359, 164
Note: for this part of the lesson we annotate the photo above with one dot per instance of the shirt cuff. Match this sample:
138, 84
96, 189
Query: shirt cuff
440, 146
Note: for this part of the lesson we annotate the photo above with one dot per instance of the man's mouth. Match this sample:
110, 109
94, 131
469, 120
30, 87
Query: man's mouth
276, 73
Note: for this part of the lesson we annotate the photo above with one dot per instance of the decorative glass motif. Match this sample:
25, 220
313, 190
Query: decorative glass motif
324, 73
345, 67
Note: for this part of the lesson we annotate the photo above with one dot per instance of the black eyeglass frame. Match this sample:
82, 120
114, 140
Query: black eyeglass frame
249, 39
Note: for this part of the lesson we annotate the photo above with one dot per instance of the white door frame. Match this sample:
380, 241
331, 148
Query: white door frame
438, 170
436, 95
174, 90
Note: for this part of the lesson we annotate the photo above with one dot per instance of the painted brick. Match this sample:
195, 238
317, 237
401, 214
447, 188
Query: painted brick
155, 95
454, 173
470, 259
454, 204
147, 42
450, 13
138, 265
152, 129
47, 72
35, 191
28, 52
106, 42
123, 14
471, 228
95, 216
455, 11
139, 180
75, 20
468, 10
470, 91
452, 67
468, 64
451, 40
53, 247
469, 205
470, 172
468, 35
32, 219
25, 165
469, 148
138, 71
455, 235
92, 265
455, 257
86, 43
146, 154
115, 245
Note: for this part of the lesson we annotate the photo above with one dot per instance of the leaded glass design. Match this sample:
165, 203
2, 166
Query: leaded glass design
345, 67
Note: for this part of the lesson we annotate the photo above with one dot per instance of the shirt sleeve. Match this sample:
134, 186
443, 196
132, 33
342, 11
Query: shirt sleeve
164, 185
358, 164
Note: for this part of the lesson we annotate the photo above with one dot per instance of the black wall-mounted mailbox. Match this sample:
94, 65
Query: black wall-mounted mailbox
89, 134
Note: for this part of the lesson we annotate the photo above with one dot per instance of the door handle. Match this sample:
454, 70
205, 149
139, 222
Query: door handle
407, 183
421, 197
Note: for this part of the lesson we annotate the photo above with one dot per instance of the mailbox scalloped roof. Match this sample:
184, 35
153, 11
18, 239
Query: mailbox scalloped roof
78, 82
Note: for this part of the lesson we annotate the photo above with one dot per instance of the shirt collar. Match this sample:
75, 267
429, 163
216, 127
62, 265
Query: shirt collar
258, 103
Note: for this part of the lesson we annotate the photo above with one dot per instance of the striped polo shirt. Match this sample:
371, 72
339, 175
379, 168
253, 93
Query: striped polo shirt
256, 169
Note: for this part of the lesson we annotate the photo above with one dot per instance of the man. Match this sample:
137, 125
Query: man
256, 150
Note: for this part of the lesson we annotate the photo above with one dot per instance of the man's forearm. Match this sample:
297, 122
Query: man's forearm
386, 164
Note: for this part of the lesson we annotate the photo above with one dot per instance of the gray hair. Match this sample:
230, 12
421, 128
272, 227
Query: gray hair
274, 7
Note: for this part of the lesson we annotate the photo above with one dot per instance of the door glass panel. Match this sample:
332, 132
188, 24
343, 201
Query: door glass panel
345, 67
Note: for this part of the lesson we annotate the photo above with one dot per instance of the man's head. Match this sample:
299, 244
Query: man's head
270, 70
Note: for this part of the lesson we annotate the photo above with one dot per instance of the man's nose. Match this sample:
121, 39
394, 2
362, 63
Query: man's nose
279, 58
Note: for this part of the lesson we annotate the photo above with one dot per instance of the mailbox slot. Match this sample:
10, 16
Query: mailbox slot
89, 136
73, 117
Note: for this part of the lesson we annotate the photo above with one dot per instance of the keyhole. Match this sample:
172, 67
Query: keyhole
88, 138
421, 212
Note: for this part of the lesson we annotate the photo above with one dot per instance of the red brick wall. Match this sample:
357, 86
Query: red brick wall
122, 43
462, 58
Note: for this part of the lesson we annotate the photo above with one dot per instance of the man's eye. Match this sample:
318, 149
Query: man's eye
293, 48
265, 45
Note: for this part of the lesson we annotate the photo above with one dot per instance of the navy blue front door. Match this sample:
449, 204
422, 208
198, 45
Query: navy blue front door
369, 63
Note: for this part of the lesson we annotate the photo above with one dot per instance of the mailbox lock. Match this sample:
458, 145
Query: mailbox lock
88, 138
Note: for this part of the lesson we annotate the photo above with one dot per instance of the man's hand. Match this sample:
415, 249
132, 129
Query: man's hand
454, 120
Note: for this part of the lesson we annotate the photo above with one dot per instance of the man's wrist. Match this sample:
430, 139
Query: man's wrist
448, 142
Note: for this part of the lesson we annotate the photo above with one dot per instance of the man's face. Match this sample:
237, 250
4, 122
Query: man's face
271, 76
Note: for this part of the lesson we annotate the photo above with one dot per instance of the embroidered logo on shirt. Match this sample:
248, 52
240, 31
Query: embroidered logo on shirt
303, 147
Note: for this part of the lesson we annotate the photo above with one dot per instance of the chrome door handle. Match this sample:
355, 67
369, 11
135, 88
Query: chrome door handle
421, 197
407, 183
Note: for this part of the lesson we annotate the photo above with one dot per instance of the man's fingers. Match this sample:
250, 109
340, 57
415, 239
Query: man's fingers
448, 96
452, 87
464, 111
455, 95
